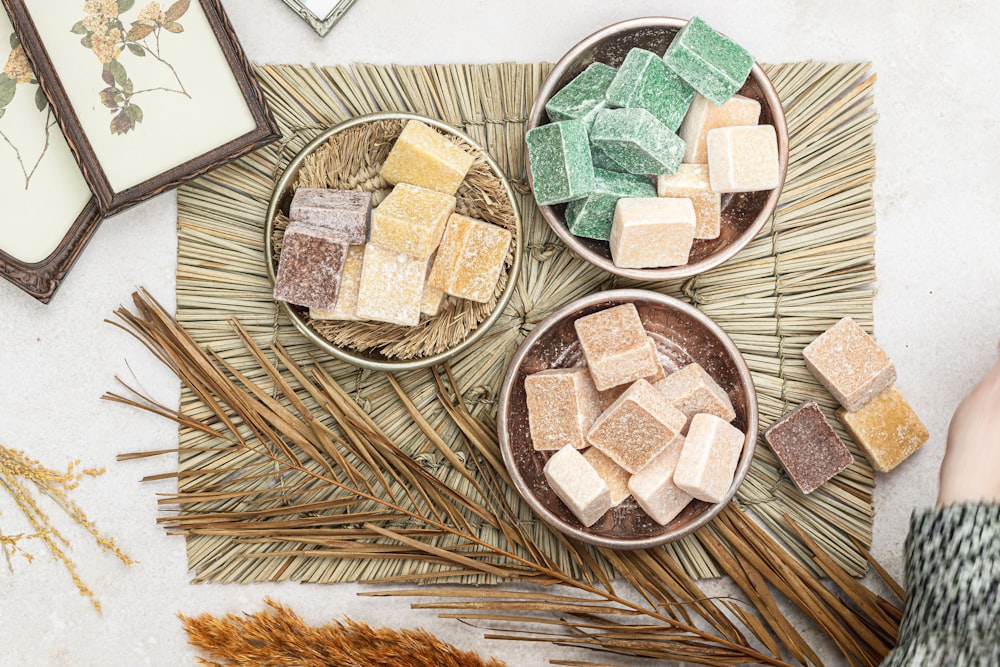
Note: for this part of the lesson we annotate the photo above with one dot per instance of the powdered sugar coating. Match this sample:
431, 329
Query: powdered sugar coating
743, 159
411, 220
887, 428
652, 232
470, 258
310, 267
392, 284
850, 364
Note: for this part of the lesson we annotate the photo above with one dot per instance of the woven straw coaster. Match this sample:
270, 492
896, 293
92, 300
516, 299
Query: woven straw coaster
813, 264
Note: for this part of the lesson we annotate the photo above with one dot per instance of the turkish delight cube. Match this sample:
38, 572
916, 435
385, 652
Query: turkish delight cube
850, 364
470, 258
743, 159
310, 267
703, 116
693, 391
645, 81
560, 162
578, 485
708, 461
652, 232
710, 62
615, 346
692, 182
392, 284
423, 156
411, 220
808, 447
346, 307
654, 489
887, 429
562, 405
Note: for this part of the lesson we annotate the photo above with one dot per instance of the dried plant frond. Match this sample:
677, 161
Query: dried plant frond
384, 505
24, 479
278, 637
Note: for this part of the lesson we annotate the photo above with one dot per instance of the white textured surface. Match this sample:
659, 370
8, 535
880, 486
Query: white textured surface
937, 313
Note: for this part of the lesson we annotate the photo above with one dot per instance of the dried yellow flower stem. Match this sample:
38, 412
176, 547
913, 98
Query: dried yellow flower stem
25, 479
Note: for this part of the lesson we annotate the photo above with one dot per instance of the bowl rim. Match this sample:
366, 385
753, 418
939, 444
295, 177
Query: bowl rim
626, 295
557, 223
356, 358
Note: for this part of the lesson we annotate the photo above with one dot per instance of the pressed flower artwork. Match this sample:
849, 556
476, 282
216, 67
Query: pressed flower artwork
103, 30
16, 73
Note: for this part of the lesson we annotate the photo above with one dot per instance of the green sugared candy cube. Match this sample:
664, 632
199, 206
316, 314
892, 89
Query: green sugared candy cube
583, 97
637, 141
591, 216
711, 63
645, 81
559, 157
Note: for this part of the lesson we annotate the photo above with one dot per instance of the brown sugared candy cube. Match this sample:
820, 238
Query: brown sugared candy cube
343, 212
310, 267
609, 396
613, 474
692, 391
887, 429
808, 447
637, 427
562, 405
350, 282
850, 364
616, 347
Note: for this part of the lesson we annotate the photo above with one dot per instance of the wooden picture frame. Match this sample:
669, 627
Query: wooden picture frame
42, 279
142, 153
321, 21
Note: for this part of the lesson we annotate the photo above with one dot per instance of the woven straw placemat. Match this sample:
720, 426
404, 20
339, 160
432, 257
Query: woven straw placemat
813, 264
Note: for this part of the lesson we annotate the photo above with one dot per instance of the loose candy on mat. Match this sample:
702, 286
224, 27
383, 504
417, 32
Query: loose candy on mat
591, 216
344, 212
616, 347
654, 489
644, 81
637, 141
392, 284
422, 156
560, 162
850, 364
310, 266
637, 427
613, 474
578, 485
692, 182
346, 307
808, 447
562, 405
609, 396
583, 97
708, 462
693, 391
705, 116
743, 159
708, 61
887, 429
411, 220
650, 232
470, 258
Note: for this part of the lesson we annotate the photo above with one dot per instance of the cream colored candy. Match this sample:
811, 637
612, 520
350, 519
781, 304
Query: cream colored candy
743, 159
691, 182
703, 116
887, 429
708, 462
692, 391
430, 301
613, 474
411, 220
347, 298
578, 485
562, 405
616, 347
422, 156
392, 284
654, 489
637, 427
850, 364
650, 232
609, 396
470, 258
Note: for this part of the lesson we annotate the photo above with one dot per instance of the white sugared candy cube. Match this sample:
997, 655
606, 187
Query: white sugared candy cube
654, 489
743, 159
578, 485
651, 232
707, 465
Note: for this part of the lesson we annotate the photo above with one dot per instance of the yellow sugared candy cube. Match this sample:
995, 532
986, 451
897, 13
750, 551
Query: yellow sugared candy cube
411, 220
347, 298
691, 182
703, 116
422, 156
470, 258
392, 284
649, 232
430, 302
887, 429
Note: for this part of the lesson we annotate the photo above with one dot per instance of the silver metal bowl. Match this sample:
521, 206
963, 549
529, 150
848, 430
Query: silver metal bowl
281, 198
743, 214
683, 335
